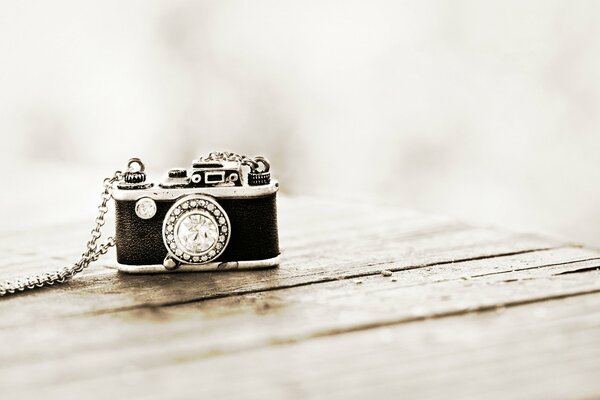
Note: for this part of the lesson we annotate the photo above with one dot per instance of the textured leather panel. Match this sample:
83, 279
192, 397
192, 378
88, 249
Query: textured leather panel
254, 234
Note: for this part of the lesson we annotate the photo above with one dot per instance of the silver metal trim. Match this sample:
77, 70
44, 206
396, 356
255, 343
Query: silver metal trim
211, 266
219, 192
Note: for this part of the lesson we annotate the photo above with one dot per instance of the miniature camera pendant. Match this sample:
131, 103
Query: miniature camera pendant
187, 220
219, 214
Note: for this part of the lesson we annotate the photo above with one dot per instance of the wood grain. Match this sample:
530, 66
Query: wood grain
541, 350
326, 323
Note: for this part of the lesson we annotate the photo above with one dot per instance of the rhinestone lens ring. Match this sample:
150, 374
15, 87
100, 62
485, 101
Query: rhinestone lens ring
196, 229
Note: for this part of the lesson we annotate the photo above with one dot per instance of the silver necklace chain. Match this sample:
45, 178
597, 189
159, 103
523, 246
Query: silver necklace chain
92, 253
93, 249
256, 164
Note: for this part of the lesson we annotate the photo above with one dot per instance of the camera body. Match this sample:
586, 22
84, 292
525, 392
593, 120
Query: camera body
220, 214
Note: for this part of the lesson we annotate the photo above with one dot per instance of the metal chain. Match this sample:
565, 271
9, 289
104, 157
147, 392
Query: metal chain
253, 163
225, 156
92, 253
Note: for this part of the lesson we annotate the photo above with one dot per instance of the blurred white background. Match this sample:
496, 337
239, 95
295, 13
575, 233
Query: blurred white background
485, 111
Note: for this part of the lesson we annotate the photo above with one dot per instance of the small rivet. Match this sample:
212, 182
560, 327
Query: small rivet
170, 264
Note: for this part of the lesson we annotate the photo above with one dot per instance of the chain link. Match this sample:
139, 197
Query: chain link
92, 253
254, 163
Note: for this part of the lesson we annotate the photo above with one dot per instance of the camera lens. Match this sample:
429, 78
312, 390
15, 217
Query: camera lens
196, 229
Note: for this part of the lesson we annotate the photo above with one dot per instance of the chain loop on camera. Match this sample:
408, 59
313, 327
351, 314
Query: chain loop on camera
92, 253
254, 163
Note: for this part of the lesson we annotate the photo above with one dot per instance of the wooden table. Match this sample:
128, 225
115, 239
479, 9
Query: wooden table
469, 312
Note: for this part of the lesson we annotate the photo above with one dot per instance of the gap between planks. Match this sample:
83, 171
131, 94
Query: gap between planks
195, 356
323, 280
100, 290
417, 318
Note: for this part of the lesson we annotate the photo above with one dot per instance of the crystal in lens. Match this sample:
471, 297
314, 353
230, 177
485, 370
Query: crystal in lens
197, 233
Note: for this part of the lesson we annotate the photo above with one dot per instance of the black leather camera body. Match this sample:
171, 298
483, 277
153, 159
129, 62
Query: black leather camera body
220, 214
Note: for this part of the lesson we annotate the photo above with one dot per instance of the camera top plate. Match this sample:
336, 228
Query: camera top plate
219, 178
219, 192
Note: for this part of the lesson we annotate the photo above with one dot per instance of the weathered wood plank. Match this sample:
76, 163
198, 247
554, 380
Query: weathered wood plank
552, 351
308, 328
154, 337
